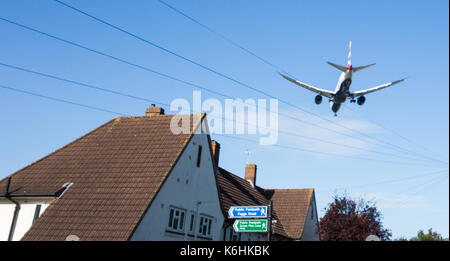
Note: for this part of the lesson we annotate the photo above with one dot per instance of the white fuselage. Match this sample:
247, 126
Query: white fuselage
342, 90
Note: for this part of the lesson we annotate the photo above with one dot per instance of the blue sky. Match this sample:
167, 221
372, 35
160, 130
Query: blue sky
404, 38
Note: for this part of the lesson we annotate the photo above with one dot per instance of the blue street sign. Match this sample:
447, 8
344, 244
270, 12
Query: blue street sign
247, 212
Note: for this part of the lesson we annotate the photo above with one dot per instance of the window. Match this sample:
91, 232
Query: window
234, 236
204, 228
191, 222
199, 155
176, 219
37, 212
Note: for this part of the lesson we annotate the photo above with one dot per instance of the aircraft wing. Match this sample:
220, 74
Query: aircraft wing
325, 93
376, 88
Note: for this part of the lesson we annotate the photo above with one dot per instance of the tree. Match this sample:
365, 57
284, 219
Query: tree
348, 220
430, 236
400, 239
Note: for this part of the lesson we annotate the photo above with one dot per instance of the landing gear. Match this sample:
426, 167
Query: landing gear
352, 101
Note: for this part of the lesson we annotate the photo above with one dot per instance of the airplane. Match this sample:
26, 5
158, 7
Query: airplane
342, 91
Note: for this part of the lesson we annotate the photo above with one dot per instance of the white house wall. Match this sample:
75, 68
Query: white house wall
185, 186
24, 219
310, 228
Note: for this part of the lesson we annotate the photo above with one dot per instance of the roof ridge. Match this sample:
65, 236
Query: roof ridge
164, 115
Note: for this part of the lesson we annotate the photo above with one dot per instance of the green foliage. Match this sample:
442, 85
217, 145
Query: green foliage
430, 236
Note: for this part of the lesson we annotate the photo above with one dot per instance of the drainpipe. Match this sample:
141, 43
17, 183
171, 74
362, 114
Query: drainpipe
197, 221
16, 211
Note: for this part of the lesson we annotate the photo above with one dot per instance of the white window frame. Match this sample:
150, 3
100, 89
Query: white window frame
234, 236
205, 225
38, 208
191, 224
176, 219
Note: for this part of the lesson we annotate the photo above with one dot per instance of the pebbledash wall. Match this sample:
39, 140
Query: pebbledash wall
25, 218
190, 189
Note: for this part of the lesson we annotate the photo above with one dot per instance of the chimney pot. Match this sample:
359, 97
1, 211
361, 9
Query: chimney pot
154, 111
250, 173
215, 146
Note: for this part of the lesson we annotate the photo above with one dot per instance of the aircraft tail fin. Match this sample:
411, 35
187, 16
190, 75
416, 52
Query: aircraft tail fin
339, 67
349, 62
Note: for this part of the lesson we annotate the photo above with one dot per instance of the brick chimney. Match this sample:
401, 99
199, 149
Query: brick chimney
154, 111
250, 173
215, 146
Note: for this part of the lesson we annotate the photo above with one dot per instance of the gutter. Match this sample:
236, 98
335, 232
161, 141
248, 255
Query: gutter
29, 196
16, 211
10, 197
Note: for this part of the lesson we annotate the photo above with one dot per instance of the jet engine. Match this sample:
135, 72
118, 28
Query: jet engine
318, 99
361, 100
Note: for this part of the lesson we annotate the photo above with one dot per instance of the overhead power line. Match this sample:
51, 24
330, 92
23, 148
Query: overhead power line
387, 181
391, 130
236, 81
221, 118
111, 57
419, 188
324, 153
83, 84
233, 137
230, 41
174, 78
224, 38
60, 100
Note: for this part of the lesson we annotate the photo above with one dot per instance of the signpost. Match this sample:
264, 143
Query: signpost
247, 212
250, 225
263, 224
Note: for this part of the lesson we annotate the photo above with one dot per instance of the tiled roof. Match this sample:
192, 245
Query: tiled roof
116, 171
235, 191
290, 206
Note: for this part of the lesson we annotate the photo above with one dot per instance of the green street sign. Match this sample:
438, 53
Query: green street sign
250, 225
